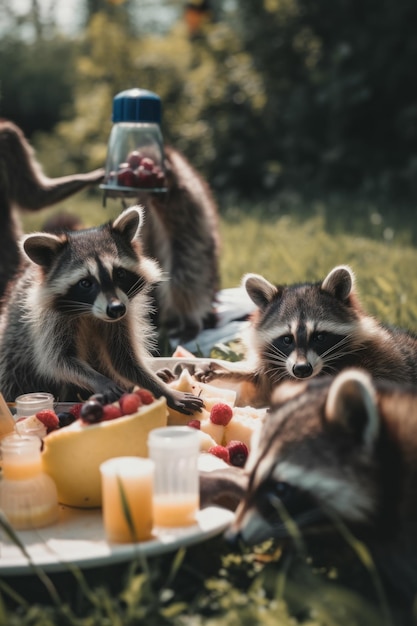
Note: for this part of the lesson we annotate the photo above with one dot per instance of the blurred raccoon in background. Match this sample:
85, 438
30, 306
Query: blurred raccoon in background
181, 232
23, 186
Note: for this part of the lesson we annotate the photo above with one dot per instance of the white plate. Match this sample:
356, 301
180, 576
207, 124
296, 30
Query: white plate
78, 539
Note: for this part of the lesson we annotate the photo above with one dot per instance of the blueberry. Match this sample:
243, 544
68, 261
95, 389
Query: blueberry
65, 418
91, 412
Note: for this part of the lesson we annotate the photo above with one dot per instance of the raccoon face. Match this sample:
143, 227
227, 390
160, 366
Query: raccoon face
94, 272
314, 461
304, 330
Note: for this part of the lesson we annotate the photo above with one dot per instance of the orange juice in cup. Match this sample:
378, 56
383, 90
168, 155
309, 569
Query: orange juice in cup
175, 450
127, 489
175, 510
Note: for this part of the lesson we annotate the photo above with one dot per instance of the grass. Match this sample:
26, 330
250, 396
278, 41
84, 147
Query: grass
291, 240
287, 240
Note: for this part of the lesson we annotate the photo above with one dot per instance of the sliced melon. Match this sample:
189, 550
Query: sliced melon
72, 455
210, 394
241, 427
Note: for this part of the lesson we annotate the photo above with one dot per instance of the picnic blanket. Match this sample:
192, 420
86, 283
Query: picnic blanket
233, 306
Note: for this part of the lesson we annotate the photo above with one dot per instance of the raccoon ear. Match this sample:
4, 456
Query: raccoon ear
339, 282
129, 222
351, 403
259, 289
42, 248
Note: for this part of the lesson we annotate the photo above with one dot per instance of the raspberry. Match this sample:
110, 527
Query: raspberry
75, 409
129, 403
194, 424
145, 395
238, 453
49, 419
111, 412
221, 451
221, 414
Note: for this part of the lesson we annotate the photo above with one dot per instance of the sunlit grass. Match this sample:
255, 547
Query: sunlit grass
294, 242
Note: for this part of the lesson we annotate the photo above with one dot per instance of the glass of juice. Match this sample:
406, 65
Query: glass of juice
175, 450
127, 487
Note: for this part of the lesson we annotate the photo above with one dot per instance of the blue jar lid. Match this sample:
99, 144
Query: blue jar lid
137, 105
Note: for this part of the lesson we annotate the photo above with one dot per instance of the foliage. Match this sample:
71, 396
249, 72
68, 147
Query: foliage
341, 106
271, 95
37, 94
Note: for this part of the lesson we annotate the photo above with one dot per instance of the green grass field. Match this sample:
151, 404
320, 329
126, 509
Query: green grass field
287, 240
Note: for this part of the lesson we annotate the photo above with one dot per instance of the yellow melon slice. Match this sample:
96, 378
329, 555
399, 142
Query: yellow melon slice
242, 426
72, 455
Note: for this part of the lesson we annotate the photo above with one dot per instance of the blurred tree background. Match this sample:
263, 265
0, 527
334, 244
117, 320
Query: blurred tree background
262, 95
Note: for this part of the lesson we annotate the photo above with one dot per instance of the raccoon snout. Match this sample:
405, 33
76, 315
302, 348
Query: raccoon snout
302, 370
115, 309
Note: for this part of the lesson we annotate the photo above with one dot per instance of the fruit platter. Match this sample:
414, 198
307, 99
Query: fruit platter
80, 436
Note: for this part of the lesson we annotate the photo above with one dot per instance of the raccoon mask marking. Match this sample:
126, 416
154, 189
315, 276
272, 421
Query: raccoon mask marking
77, 321
89, 277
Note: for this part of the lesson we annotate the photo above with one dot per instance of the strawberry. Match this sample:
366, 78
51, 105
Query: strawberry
238, 453
194, 424
129, 403
49, 419
220, 451
75, 409
111, 412
145, 395
126, 178
221, 413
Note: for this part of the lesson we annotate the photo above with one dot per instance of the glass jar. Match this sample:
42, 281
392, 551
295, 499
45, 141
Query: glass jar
28, 496
135, 155
30, 403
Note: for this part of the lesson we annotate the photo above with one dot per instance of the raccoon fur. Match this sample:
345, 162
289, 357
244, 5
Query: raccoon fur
181, 232
305, 330
23, 186
333, 452
76, 322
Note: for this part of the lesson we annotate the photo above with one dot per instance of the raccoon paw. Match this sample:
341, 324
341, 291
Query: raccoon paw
208, 373
184, 402
112, 393
166, 375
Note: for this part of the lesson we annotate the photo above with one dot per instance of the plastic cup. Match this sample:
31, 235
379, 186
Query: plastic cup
175, 450
127, 485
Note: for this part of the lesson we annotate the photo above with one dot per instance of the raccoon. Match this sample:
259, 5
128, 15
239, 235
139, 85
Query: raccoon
77, 323
23, 186
181, 232
339, 450
311, 329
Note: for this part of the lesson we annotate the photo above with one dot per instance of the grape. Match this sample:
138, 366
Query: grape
91, 412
